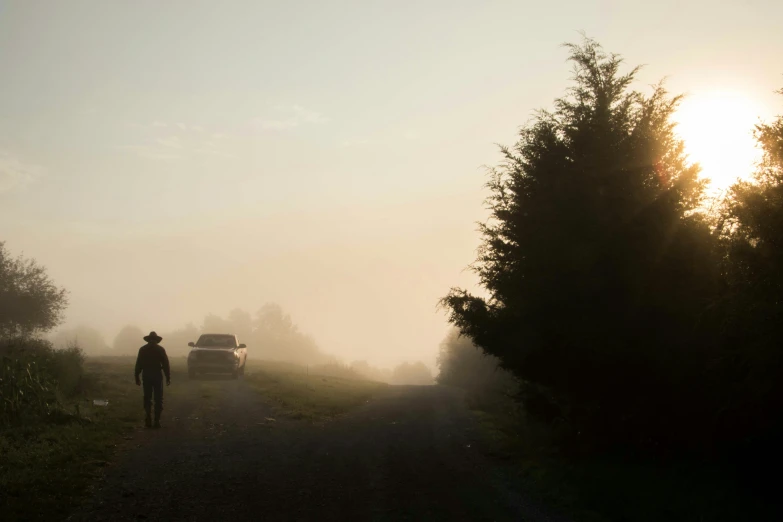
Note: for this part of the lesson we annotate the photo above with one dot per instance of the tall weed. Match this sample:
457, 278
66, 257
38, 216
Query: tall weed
35, 379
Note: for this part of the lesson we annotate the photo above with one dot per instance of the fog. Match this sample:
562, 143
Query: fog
167, 161
349, 279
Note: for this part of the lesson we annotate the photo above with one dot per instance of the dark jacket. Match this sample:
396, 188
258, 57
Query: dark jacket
151, 360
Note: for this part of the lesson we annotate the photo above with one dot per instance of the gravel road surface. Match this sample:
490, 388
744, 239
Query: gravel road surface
410, 453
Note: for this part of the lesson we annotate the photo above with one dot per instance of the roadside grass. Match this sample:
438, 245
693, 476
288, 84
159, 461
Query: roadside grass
615, 487
46, 469
298, 393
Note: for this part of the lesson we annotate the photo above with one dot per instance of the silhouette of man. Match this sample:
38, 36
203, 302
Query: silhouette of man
151, 360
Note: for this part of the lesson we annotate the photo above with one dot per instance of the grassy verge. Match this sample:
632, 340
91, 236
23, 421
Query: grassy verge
46, 469
299, 394
616, 487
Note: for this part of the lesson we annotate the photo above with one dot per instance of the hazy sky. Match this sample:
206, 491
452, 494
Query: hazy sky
169, 159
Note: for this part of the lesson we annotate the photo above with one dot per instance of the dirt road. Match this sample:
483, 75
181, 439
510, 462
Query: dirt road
412, 453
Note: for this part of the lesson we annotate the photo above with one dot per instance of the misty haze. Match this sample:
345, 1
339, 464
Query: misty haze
391, 261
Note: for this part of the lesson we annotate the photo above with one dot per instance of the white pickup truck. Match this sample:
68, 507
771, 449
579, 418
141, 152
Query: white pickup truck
217, 353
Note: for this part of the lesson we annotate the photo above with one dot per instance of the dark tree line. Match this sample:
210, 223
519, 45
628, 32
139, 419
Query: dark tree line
639, 317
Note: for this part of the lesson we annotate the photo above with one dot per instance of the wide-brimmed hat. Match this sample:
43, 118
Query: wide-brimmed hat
153, 338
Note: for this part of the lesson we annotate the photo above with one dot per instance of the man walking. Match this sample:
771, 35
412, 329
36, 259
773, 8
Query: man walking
151, 360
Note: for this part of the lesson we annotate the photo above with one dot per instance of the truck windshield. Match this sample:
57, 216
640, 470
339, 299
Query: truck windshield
216, 341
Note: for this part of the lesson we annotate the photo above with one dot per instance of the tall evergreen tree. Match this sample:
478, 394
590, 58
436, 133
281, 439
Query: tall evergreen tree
595, 259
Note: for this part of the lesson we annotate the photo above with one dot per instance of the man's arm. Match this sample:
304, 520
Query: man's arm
165, 364
137, 371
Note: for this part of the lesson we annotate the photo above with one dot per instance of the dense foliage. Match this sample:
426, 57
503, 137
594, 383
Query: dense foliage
608, 289
751, 231
35, 378
30, 303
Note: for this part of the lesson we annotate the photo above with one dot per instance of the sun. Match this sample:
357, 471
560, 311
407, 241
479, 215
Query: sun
717, 129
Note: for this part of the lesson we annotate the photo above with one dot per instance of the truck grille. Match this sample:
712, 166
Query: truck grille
214, 356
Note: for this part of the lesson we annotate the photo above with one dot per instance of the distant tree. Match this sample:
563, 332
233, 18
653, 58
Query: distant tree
241, 324
274, 324
596, 263
412, 373
90, 340
489, 387
271, 335
129, 340
176, 342
215, 324
461, 363
30, 302
277, 337
361, 367
364, 369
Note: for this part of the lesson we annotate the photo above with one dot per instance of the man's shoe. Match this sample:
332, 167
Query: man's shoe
148, 421
156, 425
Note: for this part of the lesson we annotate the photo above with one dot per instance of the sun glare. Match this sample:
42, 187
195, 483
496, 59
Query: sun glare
717, 129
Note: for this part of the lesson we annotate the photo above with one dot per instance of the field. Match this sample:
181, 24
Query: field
48, 468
